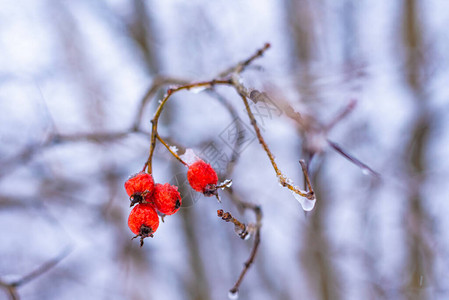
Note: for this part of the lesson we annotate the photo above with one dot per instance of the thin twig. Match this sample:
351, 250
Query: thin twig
306, 175
258, 212
282, 179
235, 155
158, 82
227, 217
170, 149
240, 67
348, 109
159, 109
11, 290
43, 268
12, 286
352, 159
96, 137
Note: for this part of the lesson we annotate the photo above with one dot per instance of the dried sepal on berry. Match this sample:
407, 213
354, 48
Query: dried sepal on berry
143, 221
139, 187
202, 178
166, 198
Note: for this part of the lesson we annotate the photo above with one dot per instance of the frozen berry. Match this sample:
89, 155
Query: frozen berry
202, 178
166, 198
139, 187
143, 221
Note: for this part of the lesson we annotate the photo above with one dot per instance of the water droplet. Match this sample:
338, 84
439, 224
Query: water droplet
421, 280
306, 204
365, 171
233, 295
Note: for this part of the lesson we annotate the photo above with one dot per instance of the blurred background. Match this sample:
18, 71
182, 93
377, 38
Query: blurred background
80, 81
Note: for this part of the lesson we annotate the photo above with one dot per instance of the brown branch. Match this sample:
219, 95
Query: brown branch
170, 150
241, 66
242, 228
248, 263
96, 137
258, 212
306, 176
42, 269
160, 108
158, 82
11, 290
282, 179
258, 225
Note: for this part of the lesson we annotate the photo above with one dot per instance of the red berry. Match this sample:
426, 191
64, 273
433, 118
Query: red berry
202, 177
143, 221
166, 198
139, 187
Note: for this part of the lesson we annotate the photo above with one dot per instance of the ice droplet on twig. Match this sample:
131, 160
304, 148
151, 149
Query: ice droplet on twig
233, 295
189, 156
365, 171
244, 234
306, 204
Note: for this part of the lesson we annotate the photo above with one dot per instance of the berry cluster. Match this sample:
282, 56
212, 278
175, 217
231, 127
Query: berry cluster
153, 200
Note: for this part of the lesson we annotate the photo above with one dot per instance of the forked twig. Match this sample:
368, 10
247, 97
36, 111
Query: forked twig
282, 178
11, 287
258, 212
157, 114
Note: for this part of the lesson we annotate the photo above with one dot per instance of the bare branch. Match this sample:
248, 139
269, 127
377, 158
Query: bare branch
352, 159
43, 268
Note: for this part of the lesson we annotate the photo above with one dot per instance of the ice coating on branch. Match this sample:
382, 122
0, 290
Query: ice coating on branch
199, 89
283, 178
189, 156
226, 184
174, 149
306, 204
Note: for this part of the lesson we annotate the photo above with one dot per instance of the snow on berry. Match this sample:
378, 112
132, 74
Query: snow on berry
139, 187
189, 156
143, 221
166, 198
202, 178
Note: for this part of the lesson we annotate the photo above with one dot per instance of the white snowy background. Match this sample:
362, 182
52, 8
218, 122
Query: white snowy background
69, 69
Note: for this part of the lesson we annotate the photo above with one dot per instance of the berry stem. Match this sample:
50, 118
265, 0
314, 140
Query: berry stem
158, 82
240, 67
159, 109
170, 150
